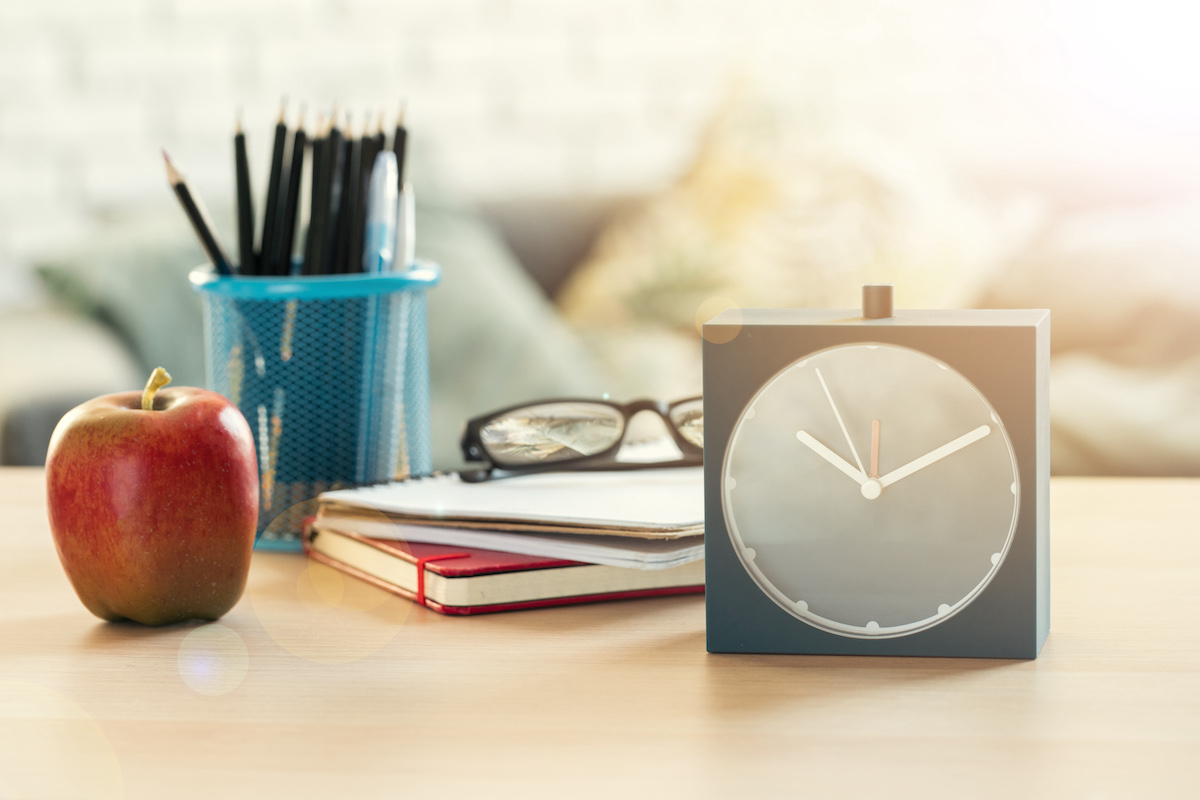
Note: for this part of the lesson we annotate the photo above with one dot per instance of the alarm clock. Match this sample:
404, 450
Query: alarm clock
877, 480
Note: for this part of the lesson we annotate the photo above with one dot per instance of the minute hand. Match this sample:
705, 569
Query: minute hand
935, 455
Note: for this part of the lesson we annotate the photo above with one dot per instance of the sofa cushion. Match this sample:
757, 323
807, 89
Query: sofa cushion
132, 278
1123, 287
53, 360
772, 213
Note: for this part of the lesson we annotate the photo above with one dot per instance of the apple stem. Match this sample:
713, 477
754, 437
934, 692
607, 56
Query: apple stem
158, 379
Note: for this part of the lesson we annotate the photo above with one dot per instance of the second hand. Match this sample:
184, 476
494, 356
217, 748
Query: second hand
874, 450
837, 414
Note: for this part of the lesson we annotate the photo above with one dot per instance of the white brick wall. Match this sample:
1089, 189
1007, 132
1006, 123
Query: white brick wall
515, 96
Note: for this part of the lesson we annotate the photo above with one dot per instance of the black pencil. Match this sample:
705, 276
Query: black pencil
372, 144
194, 208
333, 167
318, 200
400, 144
378, 139
350, 205
245, 201
292, 202
269, 245
280, 260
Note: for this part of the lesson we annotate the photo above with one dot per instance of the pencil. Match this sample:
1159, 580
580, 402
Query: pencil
379, 139
291, 202
334, 167
193, 206
350, 205
318, 203
371, 145
268, 248
245, 200
400, 143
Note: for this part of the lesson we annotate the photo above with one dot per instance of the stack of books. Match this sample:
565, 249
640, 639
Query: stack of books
523, 542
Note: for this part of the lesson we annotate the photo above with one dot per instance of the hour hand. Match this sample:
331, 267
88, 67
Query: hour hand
833, 458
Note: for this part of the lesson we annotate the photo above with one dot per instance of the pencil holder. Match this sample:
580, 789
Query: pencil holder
331, 372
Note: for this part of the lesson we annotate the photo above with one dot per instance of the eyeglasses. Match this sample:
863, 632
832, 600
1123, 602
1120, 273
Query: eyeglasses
573, 434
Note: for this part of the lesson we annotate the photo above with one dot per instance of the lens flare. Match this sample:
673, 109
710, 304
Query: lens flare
213, 660
711, 308
294, 597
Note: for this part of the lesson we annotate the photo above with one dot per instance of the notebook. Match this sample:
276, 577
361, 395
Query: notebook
616, 551
460, 580
649, 504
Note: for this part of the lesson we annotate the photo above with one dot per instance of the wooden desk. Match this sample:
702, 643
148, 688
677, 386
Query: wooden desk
616, 699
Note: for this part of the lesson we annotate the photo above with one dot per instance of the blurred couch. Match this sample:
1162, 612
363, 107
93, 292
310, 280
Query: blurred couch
590, 296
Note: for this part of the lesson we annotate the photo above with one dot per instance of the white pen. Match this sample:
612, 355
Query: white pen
406, 236
383, 205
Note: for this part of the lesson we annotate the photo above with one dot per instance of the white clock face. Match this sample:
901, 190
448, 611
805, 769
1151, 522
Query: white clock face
870, 490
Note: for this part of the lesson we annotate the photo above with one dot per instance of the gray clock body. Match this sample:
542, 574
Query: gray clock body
877, 486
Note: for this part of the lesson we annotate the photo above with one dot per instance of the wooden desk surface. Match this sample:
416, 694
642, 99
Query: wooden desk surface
315, 686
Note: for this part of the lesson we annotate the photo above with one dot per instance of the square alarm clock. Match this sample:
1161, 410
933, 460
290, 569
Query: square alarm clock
877, 481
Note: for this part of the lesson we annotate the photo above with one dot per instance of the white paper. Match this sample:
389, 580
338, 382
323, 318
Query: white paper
615, 551
664, 500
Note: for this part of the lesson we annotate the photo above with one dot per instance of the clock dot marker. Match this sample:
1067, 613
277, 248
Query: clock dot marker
872, 625
732, 483
801, 605
943, 366
943, 610
750, 412
802, 363
1012, 487
995, 559
751, 553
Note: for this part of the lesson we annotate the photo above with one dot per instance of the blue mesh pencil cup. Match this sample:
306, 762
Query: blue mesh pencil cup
331, 372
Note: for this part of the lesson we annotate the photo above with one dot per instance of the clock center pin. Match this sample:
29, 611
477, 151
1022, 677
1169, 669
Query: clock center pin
872, 489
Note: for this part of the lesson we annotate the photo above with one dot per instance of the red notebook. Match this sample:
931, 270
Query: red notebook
466, 580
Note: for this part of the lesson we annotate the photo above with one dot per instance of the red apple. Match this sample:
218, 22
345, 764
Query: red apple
153, 501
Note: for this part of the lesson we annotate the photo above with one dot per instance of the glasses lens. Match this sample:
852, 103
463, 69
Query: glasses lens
551, 432
688, 419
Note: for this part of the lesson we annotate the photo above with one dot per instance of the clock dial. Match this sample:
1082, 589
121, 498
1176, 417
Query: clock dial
870, 490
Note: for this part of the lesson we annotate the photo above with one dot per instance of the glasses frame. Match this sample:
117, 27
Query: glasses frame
474, 452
